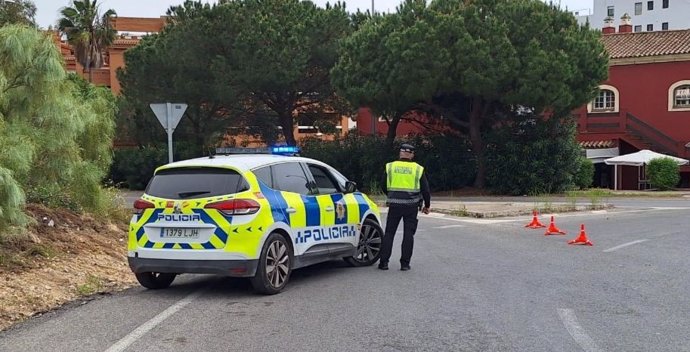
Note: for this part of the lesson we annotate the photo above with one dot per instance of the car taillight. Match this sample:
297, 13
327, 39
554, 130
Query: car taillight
140, 205
235, 206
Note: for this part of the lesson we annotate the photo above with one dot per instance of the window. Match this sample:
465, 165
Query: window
638, 8
188, 183
664, 26
650, 27
264, 175
609, 10
605, 101
324, 181
638, 28
650, 5
664, 4
681, 97
290, 177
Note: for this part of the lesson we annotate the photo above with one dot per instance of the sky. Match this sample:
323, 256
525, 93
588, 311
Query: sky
48, 10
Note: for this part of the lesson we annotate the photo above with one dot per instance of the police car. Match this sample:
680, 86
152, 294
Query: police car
257, 215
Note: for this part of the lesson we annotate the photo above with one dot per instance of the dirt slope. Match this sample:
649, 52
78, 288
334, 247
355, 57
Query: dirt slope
68, 256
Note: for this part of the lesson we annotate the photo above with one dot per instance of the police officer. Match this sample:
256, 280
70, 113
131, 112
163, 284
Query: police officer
406, 186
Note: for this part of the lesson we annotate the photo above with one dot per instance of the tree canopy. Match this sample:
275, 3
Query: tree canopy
242, 60
18, 12
89, 32
475, 64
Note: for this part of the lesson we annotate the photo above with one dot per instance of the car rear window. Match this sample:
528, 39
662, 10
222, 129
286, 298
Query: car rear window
188, 183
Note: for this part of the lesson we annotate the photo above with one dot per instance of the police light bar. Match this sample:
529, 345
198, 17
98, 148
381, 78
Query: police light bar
278, 150
243, 151
285, 150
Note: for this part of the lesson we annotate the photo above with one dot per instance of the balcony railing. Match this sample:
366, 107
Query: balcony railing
627, 124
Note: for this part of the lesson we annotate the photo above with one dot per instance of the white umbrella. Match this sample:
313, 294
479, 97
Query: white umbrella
643, 157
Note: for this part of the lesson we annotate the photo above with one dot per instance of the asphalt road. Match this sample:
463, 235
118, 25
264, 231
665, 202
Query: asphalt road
475, 285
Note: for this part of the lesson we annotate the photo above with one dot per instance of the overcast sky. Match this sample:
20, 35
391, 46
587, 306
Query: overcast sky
48, 10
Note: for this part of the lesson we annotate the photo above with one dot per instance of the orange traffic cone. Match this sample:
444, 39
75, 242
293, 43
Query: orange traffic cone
535, 224
553, 230
582, 238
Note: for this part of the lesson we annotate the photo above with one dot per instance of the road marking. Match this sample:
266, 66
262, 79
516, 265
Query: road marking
625, 245
448, 226
576, 331
149, 325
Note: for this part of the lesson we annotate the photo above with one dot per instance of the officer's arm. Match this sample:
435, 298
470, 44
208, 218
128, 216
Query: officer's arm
426, 192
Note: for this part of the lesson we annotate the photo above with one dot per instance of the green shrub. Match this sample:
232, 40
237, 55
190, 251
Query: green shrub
663, 173
362, 159
532, 156
584, 177
55, 129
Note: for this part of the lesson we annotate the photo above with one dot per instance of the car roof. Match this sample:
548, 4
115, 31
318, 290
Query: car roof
242, 162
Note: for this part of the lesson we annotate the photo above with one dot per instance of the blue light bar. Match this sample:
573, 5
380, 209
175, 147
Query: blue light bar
285, 150
243, 151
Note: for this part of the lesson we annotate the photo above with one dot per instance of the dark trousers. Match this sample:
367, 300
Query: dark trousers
408, 213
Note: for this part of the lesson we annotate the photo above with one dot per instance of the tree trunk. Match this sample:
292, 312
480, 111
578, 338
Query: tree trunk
476, 140
393, 130
286, 122
88, 64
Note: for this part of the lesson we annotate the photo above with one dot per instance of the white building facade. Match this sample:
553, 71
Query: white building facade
646, 15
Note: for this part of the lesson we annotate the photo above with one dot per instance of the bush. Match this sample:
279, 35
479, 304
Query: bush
663, 173
55, 129
584, 177
532, 156
362, 159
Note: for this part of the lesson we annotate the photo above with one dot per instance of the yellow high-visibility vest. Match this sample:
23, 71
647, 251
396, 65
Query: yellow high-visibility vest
403, 176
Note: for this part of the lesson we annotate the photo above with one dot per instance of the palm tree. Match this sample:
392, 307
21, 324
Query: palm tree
88, 32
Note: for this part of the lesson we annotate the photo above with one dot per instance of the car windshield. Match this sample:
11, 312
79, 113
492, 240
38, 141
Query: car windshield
188, 183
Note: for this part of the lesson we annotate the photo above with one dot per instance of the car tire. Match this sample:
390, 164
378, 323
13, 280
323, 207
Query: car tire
155, 281
369, 246
275, 266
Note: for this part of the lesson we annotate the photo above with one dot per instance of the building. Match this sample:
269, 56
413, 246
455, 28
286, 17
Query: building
647, 15
645, 103
130, 30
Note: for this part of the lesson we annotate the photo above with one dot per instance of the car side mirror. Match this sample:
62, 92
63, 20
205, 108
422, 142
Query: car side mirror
350, 187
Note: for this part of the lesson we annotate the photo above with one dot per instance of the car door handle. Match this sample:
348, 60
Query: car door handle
329, 208
290, 210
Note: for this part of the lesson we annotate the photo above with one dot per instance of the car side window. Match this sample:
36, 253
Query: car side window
324, 180
290, 177
264, 175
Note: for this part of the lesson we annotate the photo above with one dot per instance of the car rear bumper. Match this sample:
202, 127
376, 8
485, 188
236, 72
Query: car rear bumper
235, 268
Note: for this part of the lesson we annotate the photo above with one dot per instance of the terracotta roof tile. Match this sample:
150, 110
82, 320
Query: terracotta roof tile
641, 44
126, 42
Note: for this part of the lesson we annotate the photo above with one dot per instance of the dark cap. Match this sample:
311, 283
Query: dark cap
406, 147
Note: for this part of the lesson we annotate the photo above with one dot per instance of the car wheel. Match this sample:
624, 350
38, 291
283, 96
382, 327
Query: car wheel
155, 281
369, 246
275, 266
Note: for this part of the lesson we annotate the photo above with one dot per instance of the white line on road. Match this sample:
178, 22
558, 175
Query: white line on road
576, 331
149, 325
625, 245
448, 226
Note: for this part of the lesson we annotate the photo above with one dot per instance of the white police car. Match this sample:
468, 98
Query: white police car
249, 215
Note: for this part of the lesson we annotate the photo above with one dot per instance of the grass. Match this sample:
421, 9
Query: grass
92, 285
605, 193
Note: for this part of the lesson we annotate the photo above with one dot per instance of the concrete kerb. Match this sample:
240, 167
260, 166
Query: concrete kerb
504, 209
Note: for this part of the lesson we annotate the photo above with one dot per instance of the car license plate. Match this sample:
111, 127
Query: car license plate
174, 232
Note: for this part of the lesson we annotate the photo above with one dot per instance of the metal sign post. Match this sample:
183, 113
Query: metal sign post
169, 115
